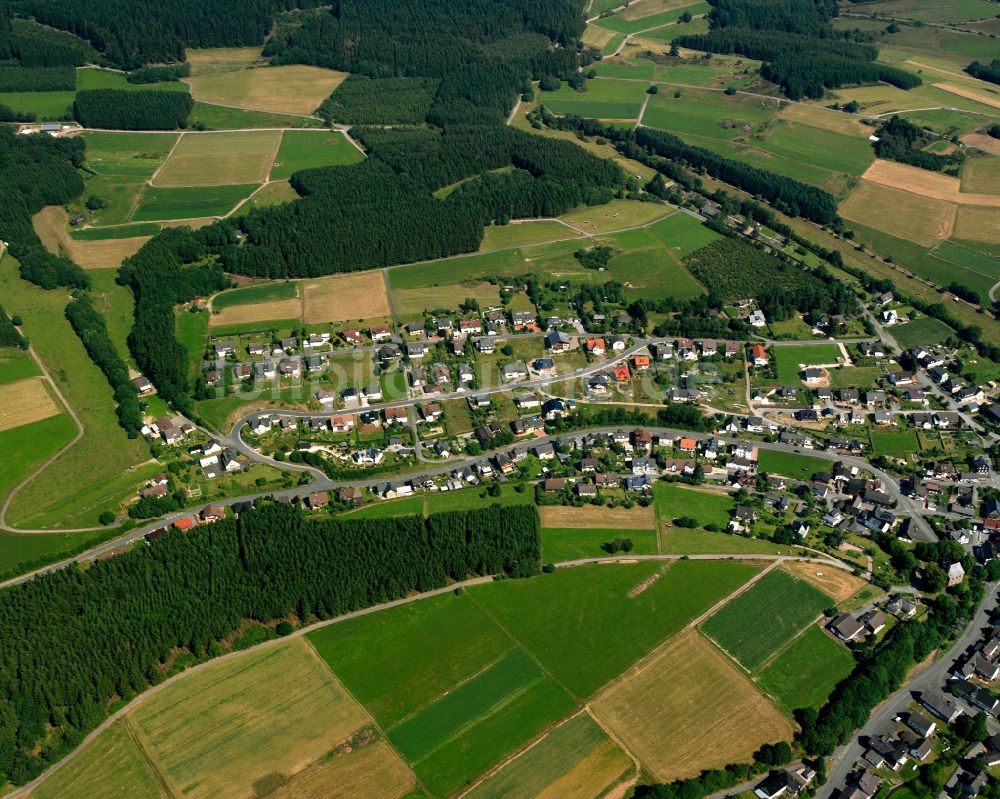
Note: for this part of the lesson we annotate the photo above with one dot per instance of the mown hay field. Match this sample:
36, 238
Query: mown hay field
220, 731
577, 760
836, 583
636, 518
24, 402
978, 224
804, 674
337, 298
51, 226
687, 708
217, 159
414, 301
572, 543
934, 185
921, 219
294, 89
758, 622
273, 311
981, 175
189, 202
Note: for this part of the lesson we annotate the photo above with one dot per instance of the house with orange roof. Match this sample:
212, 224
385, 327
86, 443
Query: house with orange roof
687, 445
595, 346
759, 355
641, 363
187, 523
341, 423
622, 374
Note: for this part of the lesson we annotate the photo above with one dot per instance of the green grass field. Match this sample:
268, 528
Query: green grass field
604, 99
678, 541
682, 234
16, 364
29, 445
923, 332
217, 117
787, 359
894, 443
253, 295
566, 747
20, 553
760, 620
117, 232
583, 625
805, 673
189, 202
705, 113
674, 500
94, 474
304, 149
791, 464
559, 544
500, 237
622, 25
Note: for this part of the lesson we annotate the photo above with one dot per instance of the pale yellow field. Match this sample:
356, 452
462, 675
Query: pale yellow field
592, 516
982, 142
920, 219
835, 121
418, 300
215, 159
935, 185
222, 59
615, 215
597, 37
292, 89
687, 708
24, 402
590, 777
374, 771
645, 8
361, 295
50, 225
834, 582
981, 175
878, 99
978, 224
257, 312
109, 767
969, 94
218, 732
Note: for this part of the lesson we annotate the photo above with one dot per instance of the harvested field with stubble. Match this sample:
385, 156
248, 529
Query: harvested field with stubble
934, 185
373, 771
834, 582
975, 223
981, 175
24, 402
51, 226
219, 732
983, 142
293, 89
257, 312
687, 708
218, 159
565, 516
968, 94
361, 295
817, 117
920, 219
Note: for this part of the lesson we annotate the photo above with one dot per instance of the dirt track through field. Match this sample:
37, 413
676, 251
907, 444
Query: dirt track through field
24, 402
917, 181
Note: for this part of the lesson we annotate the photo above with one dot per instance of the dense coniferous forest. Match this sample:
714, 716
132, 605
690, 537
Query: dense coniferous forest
361, 100
901, 140
803, 53
75, 641
90, 326
990, 71
161, 276
34, 45
37, 79
122, 109
36, 171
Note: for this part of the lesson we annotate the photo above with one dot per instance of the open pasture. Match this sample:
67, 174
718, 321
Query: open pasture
818, 117
790, 464
975, 223
615, 215
519, 234
189, 202
981, 175
758, 622
571, 543
587, 624
413, 302
970, 94
950, 11
253, 313
24, 402
306, 149
637, 518
207, 60
577, 760
274, 193
337, 298
804, 674
923, 332
678, 711
656, 13
293, 89
682, 234
16, 364
789, 360
673, 500
255, 294
220, 731
967, 258
710, 114
216, 159
920, 219
836, 583
602, 98
894, 443
934, 185
680, 541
